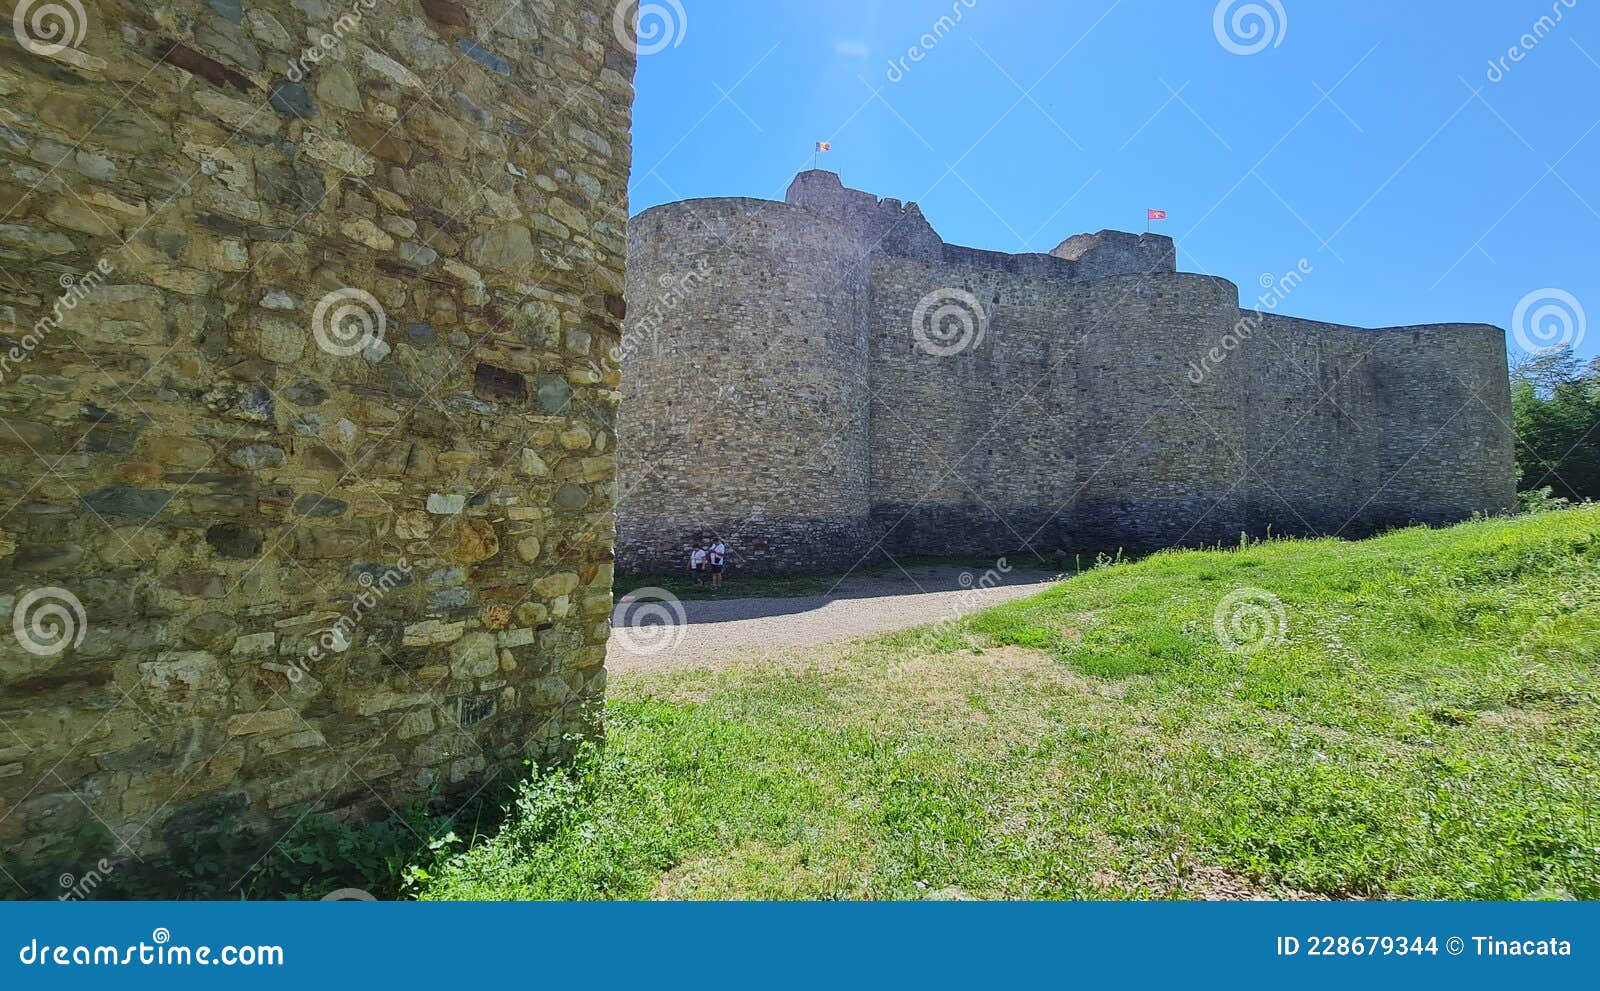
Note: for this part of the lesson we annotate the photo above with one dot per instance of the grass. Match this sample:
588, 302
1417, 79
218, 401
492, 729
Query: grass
1427, 727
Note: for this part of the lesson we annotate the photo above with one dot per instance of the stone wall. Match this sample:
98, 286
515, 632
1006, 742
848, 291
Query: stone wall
1074, 406
745, 389
308, 311
1069, 425
1413, 425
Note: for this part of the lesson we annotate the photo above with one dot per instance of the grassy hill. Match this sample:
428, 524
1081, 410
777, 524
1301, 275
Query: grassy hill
1416, 716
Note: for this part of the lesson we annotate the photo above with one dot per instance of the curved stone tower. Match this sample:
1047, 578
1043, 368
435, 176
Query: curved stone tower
744, 408
825, 382
307, 390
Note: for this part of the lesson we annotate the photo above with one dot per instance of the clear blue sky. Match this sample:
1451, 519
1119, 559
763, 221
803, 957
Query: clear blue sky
1354, 141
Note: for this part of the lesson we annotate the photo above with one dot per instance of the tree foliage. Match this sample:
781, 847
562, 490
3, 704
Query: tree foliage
1555, 401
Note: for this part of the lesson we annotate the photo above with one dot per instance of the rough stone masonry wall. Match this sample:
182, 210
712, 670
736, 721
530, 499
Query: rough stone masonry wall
1074, 422
296, 565
1070, 424
745, 386
1353, 431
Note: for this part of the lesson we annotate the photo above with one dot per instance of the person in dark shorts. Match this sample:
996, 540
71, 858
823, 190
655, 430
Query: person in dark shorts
697, 565
719, 561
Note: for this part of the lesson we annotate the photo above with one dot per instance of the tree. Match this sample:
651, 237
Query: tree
1555, 403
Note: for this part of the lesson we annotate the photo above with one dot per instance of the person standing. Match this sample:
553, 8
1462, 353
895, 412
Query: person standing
719, 561
697, 565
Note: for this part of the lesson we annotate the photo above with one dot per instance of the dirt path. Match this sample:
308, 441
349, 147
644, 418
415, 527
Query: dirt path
651, 635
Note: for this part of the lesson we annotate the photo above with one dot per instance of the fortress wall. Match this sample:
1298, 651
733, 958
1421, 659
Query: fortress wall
1069, 422
890, 228
886, 226
1448, 448
745, 389
1400, 437
1107, 401
1314, 460
1111, 253
1163, 456
260, 573
952, 432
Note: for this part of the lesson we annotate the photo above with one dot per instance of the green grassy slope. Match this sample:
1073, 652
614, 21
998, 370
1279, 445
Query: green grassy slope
1425, 723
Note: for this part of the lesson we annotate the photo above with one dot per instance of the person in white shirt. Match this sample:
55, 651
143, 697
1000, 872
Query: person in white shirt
719, 560
697, 565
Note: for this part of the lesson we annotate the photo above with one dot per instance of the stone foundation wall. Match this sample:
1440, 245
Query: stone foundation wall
308, 319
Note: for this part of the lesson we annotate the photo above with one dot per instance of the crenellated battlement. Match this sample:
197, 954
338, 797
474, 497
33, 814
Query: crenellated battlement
890, 227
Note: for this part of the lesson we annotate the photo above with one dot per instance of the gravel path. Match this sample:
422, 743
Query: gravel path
650, 635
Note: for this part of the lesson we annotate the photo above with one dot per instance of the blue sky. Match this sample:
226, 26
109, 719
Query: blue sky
1366, 137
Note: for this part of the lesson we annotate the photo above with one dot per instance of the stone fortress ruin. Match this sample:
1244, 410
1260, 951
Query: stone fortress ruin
824, 381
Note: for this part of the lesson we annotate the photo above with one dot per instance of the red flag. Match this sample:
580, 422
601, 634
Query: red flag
1155, 215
